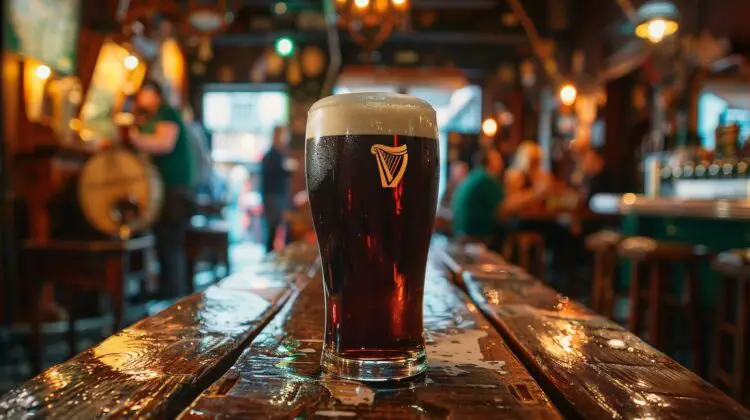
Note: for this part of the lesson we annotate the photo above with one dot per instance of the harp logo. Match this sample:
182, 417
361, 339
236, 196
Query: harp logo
391, 162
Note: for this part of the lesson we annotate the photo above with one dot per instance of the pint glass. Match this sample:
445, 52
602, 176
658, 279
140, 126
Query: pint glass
372, 178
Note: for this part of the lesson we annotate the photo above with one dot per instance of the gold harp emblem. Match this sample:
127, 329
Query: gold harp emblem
391, 163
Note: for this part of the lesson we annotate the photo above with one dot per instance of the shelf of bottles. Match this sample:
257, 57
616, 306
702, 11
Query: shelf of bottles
697, 173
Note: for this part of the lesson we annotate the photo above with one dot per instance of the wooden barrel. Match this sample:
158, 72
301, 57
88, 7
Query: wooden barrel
120, 193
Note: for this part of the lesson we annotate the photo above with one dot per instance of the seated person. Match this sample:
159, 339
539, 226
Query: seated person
528, 178
596, 178
480, 200
527, 174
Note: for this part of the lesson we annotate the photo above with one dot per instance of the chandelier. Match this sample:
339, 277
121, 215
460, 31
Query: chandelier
370, 22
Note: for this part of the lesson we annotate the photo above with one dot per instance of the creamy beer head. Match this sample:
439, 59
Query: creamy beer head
372, 113
372, 163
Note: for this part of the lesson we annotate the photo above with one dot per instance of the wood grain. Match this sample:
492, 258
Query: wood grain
472, 373
155, 367
599, 368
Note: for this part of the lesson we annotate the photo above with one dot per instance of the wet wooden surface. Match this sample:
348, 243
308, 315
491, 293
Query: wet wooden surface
599, 368
471, 374
155, 367
455, 257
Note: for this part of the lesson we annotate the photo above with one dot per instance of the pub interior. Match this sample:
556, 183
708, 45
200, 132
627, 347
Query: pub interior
590, 256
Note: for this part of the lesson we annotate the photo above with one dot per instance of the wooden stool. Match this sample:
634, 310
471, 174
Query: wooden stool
206, 244
604, 246
659, 258
734, 289
529, 247
72, 266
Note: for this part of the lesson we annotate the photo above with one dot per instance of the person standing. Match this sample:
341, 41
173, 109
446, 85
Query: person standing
161, 132
274, 184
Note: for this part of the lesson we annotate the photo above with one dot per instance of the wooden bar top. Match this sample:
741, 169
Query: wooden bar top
471, 374
730, 209
598, 367
155, 367
250, 347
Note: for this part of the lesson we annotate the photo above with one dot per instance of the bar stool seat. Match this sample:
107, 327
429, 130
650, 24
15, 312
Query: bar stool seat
528, 248
733, 322
649, 250
603, 245
658, 259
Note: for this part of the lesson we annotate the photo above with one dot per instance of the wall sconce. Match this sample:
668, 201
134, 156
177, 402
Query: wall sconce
568, 94
657, 20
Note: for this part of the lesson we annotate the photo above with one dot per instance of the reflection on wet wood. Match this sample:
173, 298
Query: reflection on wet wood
602, 370
455, 257
157, 366
472, 373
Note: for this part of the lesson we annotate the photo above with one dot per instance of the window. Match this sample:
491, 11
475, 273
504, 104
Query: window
242, 123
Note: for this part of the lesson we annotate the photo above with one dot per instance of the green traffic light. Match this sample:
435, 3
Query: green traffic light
284, 46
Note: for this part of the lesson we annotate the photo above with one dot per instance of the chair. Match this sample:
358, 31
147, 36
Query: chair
659, 259
603, 245
528, 248
209, 244
734, 292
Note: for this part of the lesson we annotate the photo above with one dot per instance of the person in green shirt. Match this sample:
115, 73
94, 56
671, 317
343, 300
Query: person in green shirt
480, 201
161, 132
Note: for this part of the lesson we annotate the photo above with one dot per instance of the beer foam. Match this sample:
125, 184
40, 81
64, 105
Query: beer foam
371, 113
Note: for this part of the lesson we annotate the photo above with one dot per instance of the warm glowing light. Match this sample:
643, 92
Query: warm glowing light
489, 127
655, 30
86, 134
568, 94
75, 124
280, 8
131, 62
398, 2
361, 3
43, 72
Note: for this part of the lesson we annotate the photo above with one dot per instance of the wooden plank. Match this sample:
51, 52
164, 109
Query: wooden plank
157, 366
472, 373
601, 369
455, 257
62, 245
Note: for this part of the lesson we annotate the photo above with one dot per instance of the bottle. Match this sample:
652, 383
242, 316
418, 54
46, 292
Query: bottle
729, 168
688, 170
727, 140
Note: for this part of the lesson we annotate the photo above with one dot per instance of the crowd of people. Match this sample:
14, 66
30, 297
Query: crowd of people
178, 148
491, 201
486, 202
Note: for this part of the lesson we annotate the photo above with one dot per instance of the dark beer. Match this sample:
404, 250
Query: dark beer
373, 198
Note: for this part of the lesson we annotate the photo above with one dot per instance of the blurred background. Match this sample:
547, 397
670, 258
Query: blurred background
626, 99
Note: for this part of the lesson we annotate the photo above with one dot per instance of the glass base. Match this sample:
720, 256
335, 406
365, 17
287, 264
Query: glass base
374, 370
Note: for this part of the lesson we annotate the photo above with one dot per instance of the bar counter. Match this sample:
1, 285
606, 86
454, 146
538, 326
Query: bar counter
717, 224
500, 344
728, 209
